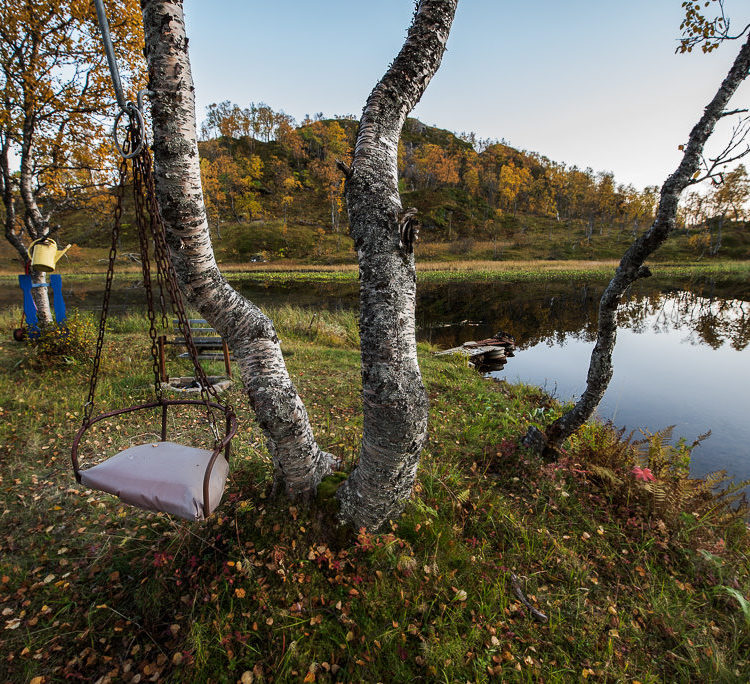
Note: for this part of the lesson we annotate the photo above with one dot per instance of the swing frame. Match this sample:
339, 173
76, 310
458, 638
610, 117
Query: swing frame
222, 445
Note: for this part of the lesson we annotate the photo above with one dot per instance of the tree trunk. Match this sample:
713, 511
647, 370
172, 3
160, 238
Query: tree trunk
40, 296
299, 463
716, 245
9, 201
36, 223
631, 266
395, 402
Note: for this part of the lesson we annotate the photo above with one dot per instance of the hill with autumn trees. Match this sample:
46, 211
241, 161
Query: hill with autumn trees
273, 190
479, 197
258, 166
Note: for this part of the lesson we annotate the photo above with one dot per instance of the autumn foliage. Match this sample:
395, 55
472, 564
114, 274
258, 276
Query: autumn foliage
259, 164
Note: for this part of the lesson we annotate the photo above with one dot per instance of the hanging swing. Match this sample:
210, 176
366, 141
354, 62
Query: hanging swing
163, 475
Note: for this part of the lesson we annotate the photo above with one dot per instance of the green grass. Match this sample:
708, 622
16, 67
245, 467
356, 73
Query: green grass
737, 271
89, 588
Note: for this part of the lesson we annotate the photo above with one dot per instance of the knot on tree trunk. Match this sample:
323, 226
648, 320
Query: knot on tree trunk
643, 272
408, 230
346, 170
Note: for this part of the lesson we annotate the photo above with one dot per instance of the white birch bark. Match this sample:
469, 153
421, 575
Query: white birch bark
394, 399
631, 266
298, 461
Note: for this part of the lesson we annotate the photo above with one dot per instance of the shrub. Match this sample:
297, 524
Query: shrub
462, 246
67, 343
699, 243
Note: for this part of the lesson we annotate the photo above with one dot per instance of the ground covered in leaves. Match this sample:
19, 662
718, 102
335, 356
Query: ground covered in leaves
642, 575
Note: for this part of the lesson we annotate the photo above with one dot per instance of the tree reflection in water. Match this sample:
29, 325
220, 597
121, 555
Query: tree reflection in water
553, 312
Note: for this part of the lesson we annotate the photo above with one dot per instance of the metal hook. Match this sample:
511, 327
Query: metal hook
132, 111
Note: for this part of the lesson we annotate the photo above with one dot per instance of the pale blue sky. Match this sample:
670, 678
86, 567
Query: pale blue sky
590, 82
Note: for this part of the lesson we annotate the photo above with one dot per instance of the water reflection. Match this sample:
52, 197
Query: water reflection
449, 314
555, 313
710, 321
681, 359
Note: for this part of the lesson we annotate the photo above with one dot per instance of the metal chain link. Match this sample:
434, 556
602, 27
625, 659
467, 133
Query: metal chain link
143, 238
150, 232
88, 407
151, 235
166, 268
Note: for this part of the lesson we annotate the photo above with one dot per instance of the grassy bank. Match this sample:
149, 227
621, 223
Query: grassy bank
501, 271
640, 581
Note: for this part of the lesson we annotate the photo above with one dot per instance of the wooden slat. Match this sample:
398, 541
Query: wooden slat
201, 341
204, 357
471, 351
192, 321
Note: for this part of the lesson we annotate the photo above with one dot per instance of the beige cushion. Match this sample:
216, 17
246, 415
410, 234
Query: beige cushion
161, 476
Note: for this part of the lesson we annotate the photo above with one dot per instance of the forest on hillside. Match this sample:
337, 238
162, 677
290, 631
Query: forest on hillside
275, 189
258, 164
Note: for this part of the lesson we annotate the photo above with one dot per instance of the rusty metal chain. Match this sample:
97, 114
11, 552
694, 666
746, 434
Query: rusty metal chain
143, 239
169, 277
88, 407
151, 237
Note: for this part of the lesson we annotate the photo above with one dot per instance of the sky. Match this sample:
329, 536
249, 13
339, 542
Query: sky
594, 83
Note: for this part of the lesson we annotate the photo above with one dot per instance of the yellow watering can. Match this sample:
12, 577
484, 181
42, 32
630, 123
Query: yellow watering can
45, 255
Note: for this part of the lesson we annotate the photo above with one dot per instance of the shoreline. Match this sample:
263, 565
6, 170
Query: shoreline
519, 271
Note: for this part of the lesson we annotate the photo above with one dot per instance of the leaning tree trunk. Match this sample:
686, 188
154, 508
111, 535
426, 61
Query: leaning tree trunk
299, 463
631, 266
394, 398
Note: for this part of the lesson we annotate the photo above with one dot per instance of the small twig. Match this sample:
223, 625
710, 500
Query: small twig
537, 614
185, 528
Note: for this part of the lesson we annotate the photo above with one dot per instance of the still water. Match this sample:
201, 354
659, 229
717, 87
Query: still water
681, 357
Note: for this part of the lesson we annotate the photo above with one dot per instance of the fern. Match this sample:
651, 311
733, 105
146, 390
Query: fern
606, 475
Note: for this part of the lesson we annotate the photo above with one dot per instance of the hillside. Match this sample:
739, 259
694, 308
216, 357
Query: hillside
276, 193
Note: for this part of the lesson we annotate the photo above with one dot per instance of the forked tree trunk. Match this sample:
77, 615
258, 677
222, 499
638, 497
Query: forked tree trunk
394, 398
298, 461
631, 266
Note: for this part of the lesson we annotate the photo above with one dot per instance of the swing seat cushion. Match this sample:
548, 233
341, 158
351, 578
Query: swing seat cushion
161, 476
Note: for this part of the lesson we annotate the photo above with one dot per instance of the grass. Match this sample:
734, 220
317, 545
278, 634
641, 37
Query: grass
308, 238
430, 272
635, 589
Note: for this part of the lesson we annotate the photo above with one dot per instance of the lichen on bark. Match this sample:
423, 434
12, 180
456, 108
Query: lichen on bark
395, 407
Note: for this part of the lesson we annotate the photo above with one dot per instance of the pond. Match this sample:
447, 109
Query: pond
681, 357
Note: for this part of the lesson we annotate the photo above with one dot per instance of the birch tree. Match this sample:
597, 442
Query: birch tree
693, 168
299, 463
53, 104
394, 400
